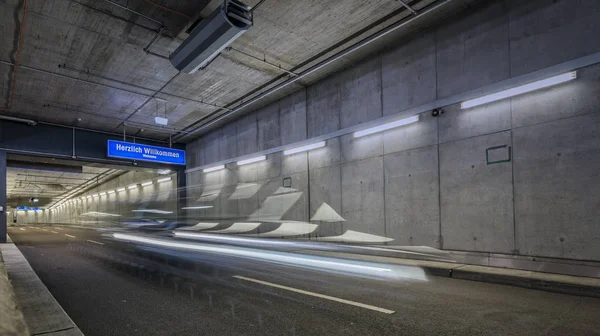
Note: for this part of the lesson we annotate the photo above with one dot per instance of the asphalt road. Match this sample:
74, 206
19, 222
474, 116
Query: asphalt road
102, 300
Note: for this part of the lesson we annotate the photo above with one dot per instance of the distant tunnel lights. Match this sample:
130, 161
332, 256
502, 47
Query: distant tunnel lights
544, 83
304, 148
252, 160
145, 184
120, 189
212, 169
166, 179
387, 126
133, 186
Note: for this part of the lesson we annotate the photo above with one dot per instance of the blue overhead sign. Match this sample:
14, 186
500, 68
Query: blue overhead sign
133, 151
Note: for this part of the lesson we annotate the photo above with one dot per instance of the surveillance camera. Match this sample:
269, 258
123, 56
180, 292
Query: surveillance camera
436, 112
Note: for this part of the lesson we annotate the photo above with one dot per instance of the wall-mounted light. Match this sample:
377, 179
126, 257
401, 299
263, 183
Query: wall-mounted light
110, 192
133, 186
212, 169
166, 179
544, 83
252, 160
120, 189
164, 171
154, 211
197, 207
95, 195
304, 148
387, 126
88, 197
145, 184
102, 194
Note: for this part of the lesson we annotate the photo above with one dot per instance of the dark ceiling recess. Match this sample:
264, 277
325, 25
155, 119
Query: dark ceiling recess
51, 167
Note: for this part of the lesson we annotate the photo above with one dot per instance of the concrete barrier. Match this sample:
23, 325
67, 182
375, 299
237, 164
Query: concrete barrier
11, 318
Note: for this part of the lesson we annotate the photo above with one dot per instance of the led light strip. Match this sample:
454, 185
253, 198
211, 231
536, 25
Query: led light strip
544, 83
304, 148
252, 160
387, 126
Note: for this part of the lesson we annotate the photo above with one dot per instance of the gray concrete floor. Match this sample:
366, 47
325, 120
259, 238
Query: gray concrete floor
104, 301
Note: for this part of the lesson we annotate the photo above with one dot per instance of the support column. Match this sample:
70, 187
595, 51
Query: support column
3, 212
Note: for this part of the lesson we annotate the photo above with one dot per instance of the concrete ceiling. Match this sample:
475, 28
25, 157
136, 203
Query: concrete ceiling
47, 186
83, 62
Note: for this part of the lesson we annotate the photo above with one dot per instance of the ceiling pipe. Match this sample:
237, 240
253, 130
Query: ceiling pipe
16, 68
168, 9
135, 12
20, 120
374, 37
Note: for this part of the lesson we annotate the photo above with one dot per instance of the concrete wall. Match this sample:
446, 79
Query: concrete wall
113, 208
428, 183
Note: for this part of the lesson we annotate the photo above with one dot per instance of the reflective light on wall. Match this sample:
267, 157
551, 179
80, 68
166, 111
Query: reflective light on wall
197, 207
387, 126
133, 186
166, 179
145, 184
164, 171
544, 83
304, 148
252, 160
120, 189
215, 168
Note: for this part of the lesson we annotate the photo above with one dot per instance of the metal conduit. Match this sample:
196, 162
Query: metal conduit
110, 86
320, 65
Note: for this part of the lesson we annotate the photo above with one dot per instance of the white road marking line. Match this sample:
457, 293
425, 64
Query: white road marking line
322, 296
21, 229
68, 235
95, 242
53, 231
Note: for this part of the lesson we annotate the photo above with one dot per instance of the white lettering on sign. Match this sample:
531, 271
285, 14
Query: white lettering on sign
147, 152
134, 149
161, 153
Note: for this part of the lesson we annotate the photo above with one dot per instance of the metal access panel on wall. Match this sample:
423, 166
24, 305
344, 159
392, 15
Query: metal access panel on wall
133, 151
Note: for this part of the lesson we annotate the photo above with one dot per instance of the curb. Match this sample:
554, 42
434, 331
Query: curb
578, 286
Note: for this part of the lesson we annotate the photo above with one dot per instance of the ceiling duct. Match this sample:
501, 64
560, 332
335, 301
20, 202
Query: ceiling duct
48, 167
211, 36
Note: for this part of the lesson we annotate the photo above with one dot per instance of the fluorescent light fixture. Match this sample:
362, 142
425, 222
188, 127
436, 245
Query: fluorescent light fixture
110, 192
95, 195
154, 211
166, 179
387, 126
164, 171
304, 148
99, 214
252, 160
212, 169
120, 189
145, 184
197, 207
161, 121
544, 83
88, 197
102, 194
133, 186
